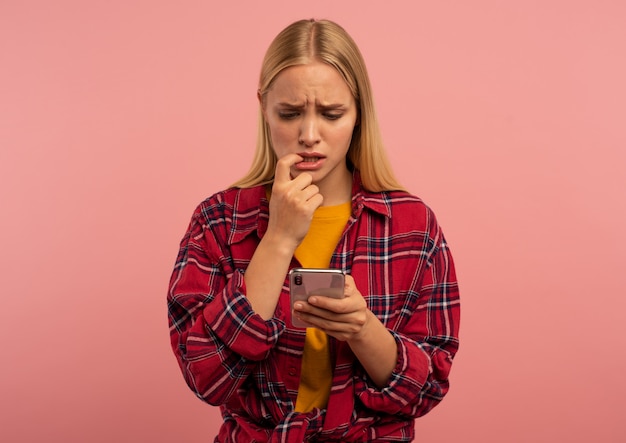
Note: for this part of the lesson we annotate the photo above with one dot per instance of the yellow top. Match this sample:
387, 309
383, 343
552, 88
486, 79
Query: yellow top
315, 251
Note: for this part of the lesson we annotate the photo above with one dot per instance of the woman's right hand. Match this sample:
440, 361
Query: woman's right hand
293, 202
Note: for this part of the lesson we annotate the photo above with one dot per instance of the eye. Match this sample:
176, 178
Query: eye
333, 115
288, 115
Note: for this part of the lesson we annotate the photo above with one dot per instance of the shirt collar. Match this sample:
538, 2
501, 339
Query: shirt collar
251, 208
362, 198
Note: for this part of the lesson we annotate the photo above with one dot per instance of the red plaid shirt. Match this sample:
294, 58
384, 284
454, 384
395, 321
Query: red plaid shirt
231, 357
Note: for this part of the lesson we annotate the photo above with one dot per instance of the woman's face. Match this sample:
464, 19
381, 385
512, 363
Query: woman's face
310, 111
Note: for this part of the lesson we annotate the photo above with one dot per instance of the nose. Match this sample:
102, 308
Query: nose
309, 132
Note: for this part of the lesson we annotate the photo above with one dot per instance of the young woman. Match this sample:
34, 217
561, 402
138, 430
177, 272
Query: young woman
320, 194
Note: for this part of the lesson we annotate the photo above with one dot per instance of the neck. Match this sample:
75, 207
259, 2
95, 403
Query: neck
337, 191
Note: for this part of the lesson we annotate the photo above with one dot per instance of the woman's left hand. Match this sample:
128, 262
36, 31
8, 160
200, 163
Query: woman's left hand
348, 319
343, 318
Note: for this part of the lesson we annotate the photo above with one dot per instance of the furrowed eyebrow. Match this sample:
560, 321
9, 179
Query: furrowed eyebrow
290, 105
330, 106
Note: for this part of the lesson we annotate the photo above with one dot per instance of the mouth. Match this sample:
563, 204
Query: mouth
310, 161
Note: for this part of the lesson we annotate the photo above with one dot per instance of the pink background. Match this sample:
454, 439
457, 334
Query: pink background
117, 118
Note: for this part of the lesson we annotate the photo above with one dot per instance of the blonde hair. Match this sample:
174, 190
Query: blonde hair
322, 40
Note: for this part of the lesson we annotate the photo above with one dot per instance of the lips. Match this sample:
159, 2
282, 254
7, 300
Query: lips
311, 156
310, 161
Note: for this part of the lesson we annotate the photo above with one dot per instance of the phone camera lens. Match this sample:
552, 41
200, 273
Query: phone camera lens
298, 279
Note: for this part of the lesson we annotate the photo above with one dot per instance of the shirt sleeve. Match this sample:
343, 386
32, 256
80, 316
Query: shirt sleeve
215, 335
426, 336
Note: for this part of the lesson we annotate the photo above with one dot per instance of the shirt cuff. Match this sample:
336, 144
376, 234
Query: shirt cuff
405, 383
231, 318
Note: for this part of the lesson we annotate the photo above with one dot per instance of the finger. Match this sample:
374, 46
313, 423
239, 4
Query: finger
303, 180
310, 191
308, 311
336, 326
349, 282
283, 167
335, 305
349, 287
316, 200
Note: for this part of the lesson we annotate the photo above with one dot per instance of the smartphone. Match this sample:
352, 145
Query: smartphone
304, 282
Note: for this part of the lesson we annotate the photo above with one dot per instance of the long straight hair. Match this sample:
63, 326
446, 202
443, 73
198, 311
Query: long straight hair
301, 43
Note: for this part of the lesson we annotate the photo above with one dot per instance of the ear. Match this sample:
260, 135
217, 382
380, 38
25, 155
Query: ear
261, 100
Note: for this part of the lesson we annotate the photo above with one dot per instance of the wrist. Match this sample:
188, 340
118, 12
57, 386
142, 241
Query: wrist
282, 245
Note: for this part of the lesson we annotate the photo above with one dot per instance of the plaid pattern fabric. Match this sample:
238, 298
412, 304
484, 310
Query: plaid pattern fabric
231, 357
